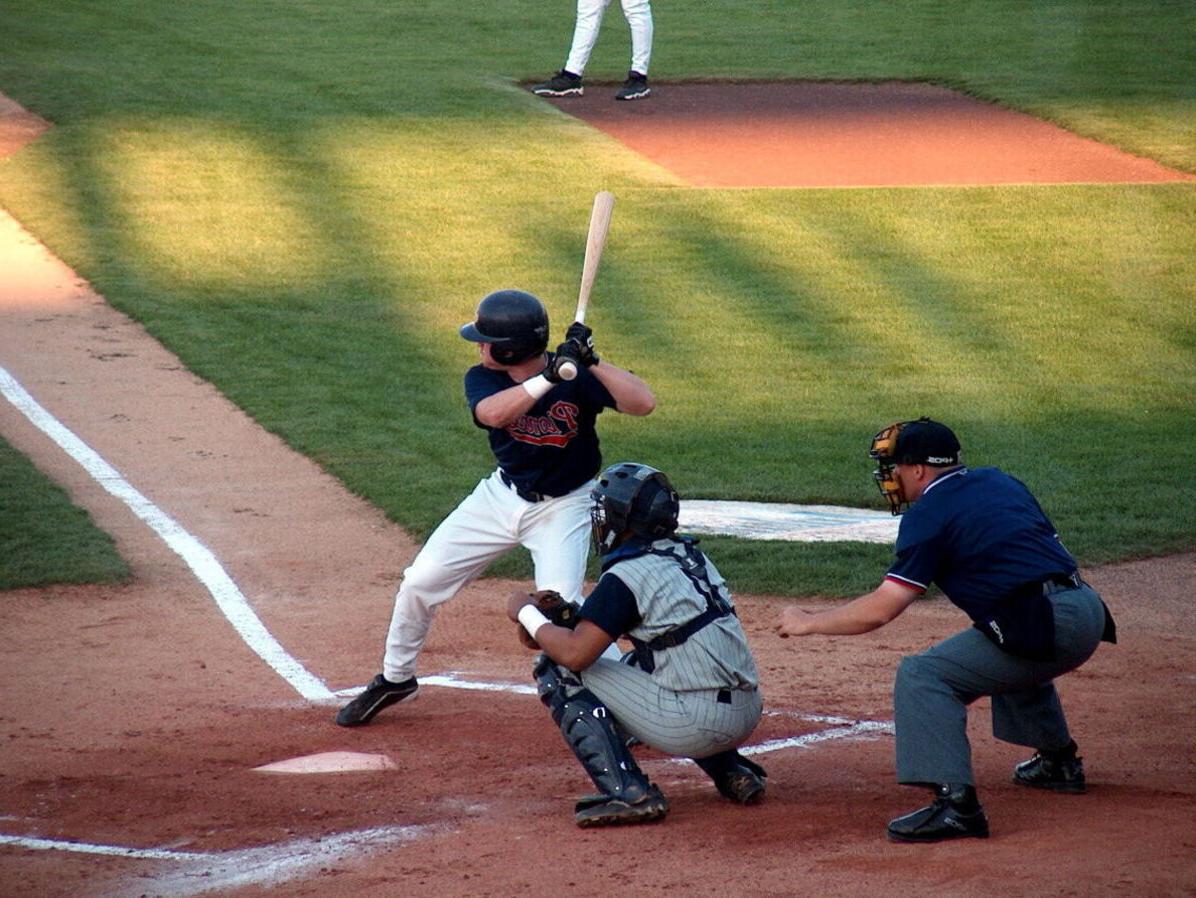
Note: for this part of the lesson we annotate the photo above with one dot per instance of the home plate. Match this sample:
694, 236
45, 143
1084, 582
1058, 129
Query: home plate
330, 762
798, 523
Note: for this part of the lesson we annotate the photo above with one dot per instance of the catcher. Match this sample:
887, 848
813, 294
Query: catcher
688, 689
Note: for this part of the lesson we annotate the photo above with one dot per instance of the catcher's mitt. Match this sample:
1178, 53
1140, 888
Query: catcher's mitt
553, 606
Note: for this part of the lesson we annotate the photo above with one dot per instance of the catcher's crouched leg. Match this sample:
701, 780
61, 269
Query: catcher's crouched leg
626, 794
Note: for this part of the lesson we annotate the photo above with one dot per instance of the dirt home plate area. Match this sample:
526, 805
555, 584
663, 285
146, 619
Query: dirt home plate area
144, 725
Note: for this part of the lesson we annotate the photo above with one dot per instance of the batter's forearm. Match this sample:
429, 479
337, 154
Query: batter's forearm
632, 396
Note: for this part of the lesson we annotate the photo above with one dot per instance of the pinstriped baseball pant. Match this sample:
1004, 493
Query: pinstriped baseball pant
692, 724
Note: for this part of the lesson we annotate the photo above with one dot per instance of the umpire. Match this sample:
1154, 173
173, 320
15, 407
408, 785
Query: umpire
982, 537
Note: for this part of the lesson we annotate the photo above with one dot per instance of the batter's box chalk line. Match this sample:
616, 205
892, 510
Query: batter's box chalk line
196, 873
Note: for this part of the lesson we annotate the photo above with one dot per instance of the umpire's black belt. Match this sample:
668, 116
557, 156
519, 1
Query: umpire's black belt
525, 495
1060, 582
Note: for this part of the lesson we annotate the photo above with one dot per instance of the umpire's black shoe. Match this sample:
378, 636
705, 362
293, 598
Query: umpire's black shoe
562, 84
1046, 771
955, 814
381, 693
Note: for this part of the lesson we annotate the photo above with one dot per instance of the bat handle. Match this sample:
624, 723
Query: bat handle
567, 370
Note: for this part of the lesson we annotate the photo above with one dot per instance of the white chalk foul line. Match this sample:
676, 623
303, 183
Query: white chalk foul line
199, 872
198, 557
156, 854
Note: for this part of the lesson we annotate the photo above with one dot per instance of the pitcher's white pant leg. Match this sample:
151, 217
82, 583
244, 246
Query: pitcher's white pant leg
639, 18
585, 34
475, 533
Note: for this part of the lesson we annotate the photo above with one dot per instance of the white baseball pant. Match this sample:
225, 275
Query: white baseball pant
585, 34
489, 522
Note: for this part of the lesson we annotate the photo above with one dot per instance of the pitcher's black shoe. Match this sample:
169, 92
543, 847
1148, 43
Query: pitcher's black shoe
1059, 774
634, 88
562, 84
381, 693
954, 814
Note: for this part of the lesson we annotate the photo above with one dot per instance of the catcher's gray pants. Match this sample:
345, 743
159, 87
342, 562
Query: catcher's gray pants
690, 724
933, 690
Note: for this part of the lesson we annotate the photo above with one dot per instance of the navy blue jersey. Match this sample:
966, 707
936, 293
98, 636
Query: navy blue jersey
981, 536
553, 447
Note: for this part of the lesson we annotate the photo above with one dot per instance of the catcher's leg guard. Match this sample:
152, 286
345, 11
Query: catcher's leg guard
735, 776
589, 731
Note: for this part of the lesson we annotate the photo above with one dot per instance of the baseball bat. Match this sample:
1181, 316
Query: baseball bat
604, 205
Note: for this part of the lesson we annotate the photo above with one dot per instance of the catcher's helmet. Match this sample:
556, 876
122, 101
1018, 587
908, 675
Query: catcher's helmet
515, 323
920, 442
632, 497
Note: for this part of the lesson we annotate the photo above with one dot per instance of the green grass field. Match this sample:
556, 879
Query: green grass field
305, 200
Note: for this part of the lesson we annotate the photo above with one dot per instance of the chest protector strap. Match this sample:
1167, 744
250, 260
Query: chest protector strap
693, 565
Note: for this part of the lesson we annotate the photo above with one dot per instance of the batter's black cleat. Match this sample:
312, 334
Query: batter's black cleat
954, 814
634, 88
562, 84
603, 810
1053, 772
381, 693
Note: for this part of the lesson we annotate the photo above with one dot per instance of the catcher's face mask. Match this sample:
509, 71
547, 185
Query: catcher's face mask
884, 446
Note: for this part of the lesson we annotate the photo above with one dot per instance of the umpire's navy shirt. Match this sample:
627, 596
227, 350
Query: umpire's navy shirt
552, 448
981, 536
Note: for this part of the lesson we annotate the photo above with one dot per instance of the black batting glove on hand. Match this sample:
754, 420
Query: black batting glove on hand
583, 337
551, 371
566, 352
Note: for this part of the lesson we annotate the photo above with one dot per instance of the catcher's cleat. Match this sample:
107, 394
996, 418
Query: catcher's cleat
742, 786
603, 810
734, 776
1056, 774
954, 814
379, 694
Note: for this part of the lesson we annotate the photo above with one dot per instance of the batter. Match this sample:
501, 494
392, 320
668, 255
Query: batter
542, 432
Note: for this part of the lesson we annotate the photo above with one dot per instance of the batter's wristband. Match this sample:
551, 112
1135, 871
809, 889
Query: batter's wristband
537, 386
532, 619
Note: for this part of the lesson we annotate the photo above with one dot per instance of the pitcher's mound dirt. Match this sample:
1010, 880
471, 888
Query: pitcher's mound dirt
821, 134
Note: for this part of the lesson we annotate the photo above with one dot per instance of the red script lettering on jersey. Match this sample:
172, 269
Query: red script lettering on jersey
556, 428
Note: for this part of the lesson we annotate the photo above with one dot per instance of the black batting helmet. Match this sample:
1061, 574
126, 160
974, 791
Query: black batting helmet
515, 323
632, 497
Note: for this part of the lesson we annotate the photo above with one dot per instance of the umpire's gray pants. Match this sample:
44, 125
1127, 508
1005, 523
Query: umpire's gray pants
933, 690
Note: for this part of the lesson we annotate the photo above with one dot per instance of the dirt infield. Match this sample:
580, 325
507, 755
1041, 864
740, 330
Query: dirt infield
132, 717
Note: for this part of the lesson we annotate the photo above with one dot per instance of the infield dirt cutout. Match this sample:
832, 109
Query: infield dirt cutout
133, 716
